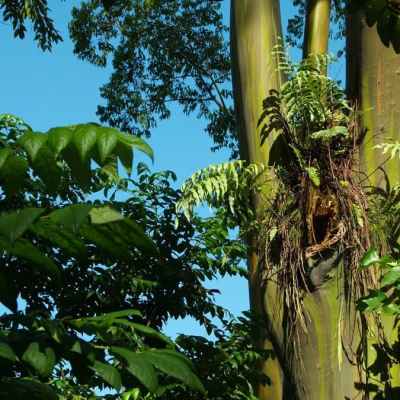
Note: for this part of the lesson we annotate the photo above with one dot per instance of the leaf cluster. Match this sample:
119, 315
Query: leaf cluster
310, 113
164, 54
381, 301
37, 11
228, 365
223, 185
386, 16
84, 268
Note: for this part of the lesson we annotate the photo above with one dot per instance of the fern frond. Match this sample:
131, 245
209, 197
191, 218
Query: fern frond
227, 184
392, 149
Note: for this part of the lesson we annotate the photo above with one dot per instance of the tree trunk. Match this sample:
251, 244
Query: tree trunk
316, 35
323, 372
255, 30
373, 83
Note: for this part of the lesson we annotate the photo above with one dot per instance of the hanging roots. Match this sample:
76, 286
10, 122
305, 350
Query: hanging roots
318, 218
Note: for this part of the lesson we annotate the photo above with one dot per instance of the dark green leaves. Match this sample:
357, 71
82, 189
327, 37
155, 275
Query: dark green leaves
41, 360
173, 364
13, 225
386, 16
369, 258
109, 373
140, 367
7, 352
386, 299
25, 388
71, 217
75, 146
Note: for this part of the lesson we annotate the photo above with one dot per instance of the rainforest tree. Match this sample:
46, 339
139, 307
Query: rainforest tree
177, 51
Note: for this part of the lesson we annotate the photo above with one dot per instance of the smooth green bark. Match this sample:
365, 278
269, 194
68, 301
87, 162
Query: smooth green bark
373, 84
322, 372
255, 30
316, 35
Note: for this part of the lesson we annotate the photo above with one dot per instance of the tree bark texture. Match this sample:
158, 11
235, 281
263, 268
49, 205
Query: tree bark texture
316, 35
323, 372
373, 84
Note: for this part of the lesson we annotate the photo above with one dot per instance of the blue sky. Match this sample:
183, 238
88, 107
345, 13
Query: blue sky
52, 89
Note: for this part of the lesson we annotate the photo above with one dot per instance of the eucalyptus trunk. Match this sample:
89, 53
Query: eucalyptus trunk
255, 31
325, 370
373, 83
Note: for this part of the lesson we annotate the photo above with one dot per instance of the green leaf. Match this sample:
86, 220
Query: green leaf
102, 236
139, 367
313, 174
42, 362
104, 215
373, 9
370, 257
145, 330
32, 142
62, 238
27, 251
84, 138
373, 302
391, 277
109, 373
107, 140
108, 318
133, 394
7, 352
13, 174
80, 170
59, 138
24, 389
327, 135
4, 154
71, 217
135, 234
8, 292
125, 155
137, 143
46, 167
391, 309
175, 366
13, 225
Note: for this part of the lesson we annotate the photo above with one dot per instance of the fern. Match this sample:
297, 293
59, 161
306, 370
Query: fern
307, 103
227, 184
390, 148
311, 100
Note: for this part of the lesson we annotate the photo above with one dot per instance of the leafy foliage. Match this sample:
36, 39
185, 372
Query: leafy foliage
228, 366
384, 214
386, 16
310, 111
162, 53
226, 184
63, 257
392, 149
62, 154
85, 268
383, 300
308, 103
37, 11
